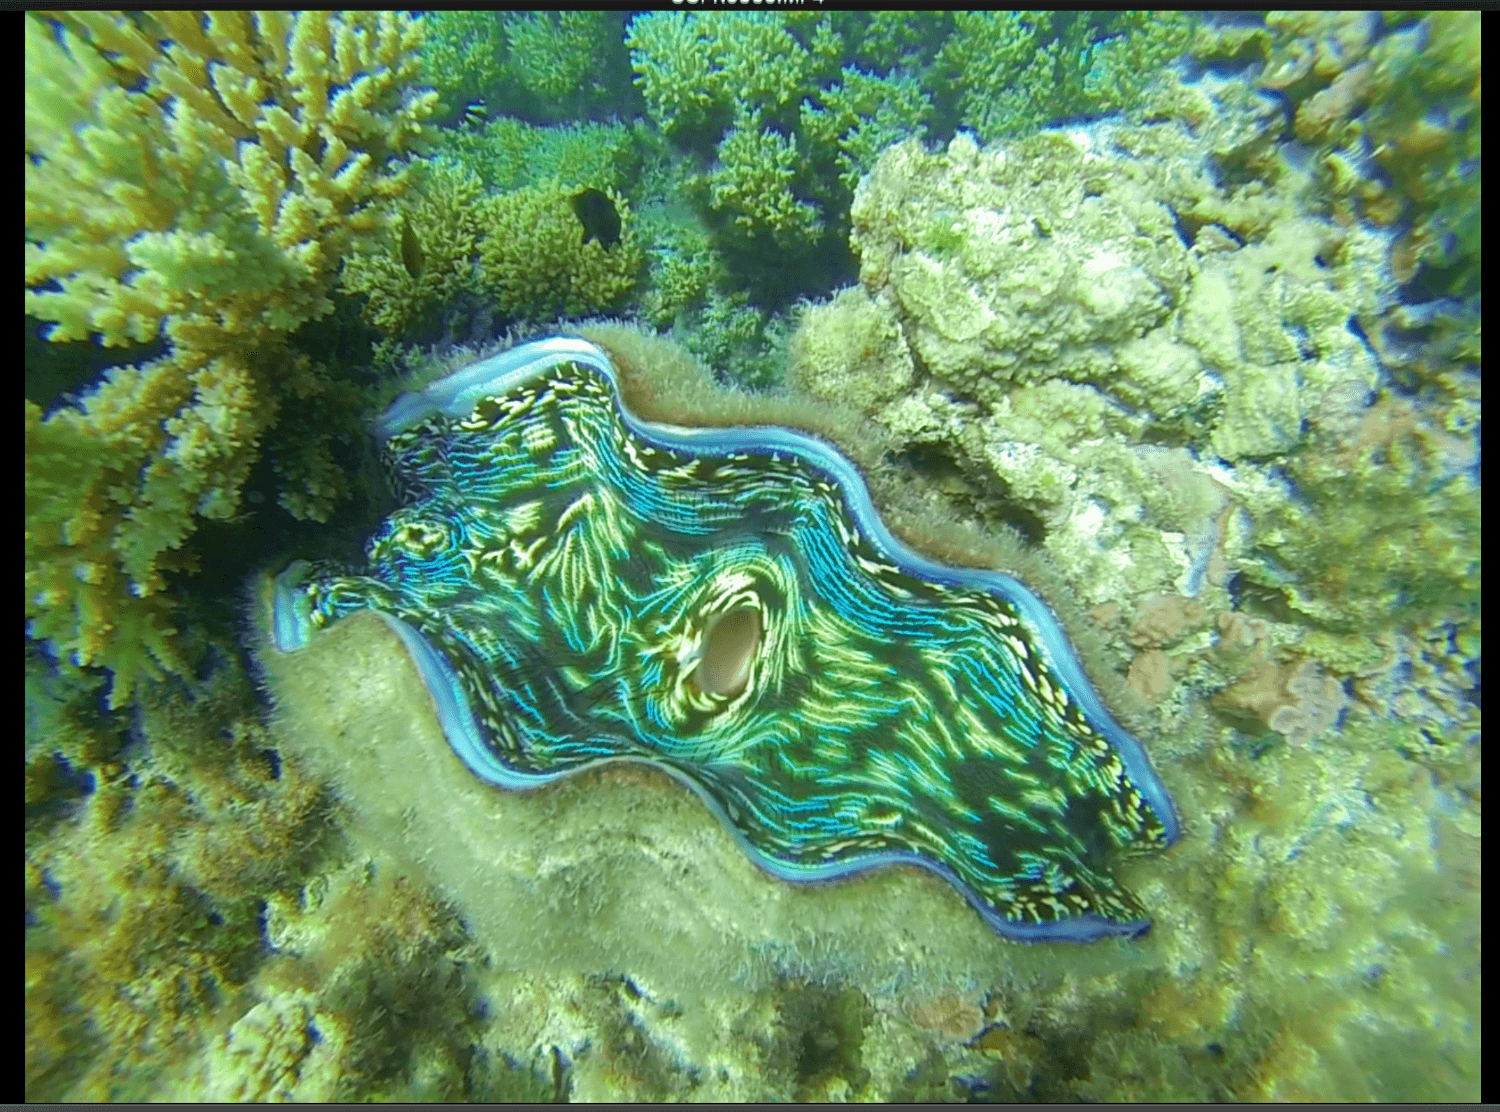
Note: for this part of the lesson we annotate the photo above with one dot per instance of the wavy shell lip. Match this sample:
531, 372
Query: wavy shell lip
456, 395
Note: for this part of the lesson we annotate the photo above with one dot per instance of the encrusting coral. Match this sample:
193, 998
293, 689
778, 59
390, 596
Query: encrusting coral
1401, 92
1207, 425
196, 180
1047, 289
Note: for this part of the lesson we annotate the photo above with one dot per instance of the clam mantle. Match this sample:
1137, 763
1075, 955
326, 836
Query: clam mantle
578, 586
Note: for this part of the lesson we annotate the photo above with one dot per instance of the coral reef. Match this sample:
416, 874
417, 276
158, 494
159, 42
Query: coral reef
463, 56
541, 65
1020, 70
142, 892
537, 263
1390, 104
758, 88
1048, 294
447, 224
520, 255
194, 181
790, 129
508, 153
779, 115
1243, 456
1127, 357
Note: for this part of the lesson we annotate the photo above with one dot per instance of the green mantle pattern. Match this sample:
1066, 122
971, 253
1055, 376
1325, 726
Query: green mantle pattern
579, 586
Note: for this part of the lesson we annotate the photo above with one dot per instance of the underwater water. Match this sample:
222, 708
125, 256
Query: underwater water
988, 610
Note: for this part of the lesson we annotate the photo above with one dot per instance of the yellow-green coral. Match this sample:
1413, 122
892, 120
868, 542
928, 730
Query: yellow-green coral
570, 60
1401, 90
445, 221
695, 70
541, 65
535, 265
1017, 71
753, 185
861, 116
791, 131
211, 185
155, 898
196, 834
683, 270
463, 55
1387, 528
198, 179
508, 153
520, 253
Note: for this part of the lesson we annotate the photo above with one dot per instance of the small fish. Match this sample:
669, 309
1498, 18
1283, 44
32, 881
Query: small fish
474, 114
599, 217
411, 250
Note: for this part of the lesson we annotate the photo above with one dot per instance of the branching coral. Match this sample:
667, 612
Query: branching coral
508, 153
753, 184
199, 180
463, 56
571, 61
1021, 70
683, 270
791, 130
543, 65
694, 72
535, 263
445, 223
861, 116
518, 252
